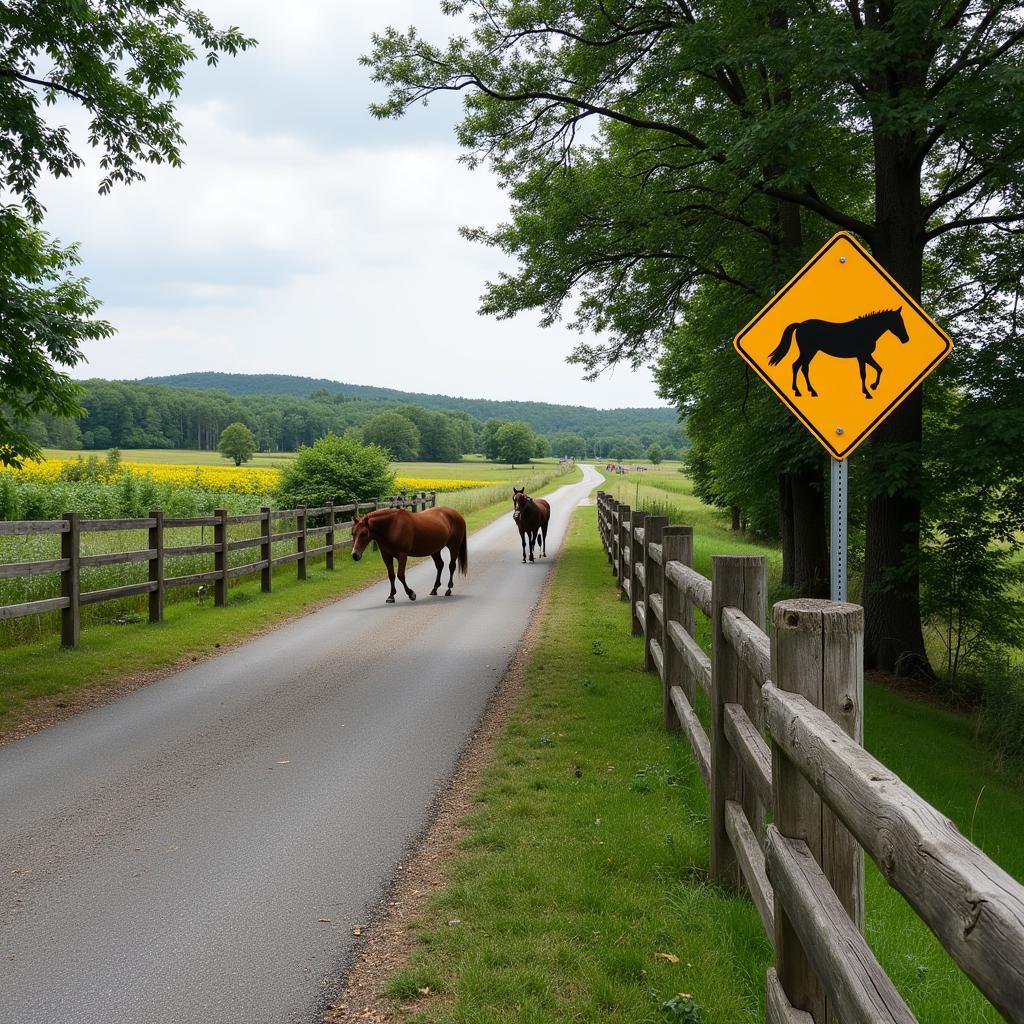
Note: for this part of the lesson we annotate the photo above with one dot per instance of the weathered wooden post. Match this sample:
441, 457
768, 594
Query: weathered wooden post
267, 572
300, 542
817, 652
737, 581
220, 558
329, 536
653, 530
636, 562
433, 499
156, 566
622, 537
70, 581
676, 546
613, 536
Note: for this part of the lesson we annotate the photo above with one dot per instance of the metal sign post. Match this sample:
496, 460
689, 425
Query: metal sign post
840, 515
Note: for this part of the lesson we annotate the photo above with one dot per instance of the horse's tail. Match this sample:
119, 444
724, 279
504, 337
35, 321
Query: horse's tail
787, 339
464, 557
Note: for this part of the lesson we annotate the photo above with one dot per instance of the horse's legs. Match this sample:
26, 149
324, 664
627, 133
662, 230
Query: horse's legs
878, 370
796, 369
389, 561
863, 370
411, 594
522, 537
533, 540
544, 539
805, 362
454, 552
439, 563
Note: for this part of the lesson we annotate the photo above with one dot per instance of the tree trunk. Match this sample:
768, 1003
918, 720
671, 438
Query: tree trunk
810, 544
893, 638
735, 516
786, 528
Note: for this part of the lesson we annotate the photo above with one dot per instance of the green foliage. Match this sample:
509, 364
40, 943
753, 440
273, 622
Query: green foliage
396, 433
45, 315
125, 64
1001, 712
92, 468
515, 442
655, 454
569, 444
335, 469
237, 442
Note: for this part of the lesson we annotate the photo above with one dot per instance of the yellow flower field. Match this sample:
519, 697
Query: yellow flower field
236, 479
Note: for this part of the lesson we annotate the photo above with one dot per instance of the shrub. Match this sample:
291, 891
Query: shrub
335, 470
1001, 715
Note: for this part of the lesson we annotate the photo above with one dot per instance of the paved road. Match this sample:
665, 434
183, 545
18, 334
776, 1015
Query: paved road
169, 858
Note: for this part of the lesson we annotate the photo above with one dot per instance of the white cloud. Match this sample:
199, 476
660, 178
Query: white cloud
323, 243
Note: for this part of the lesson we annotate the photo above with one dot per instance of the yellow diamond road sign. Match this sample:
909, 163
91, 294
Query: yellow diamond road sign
842, 345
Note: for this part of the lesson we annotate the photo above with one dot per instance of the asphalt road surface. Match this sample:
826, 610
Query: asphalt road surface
200, 850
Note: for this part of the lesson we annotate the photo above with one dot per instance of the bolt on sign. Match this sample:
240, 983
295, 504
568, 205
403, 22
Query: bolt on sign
842, 344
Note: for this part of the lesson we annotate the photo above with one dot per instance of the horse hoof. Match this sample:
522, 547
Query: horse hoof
433, 593
412, 595
390, 600
447, 593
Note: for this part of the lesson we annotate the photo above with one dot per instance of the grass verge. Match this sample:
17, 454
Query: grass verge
580, 889
110, 653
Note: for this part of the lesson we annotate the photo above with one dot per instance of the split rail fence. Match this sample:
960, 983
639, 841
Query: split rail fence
325, 524
785, 742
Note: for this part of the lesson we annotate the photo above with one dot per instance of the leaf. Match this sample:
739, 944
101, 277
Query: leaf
668, 957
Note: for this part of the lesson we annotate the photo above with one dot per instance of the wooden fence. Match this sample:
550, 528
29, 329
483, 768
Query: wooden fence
829, 799
156, 551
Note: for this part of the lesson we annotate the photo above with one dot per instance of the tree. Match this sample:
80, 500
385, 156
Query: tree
335, 470
237, 442
919, 100
515, 442
489, 439
655, 453
541, 448
395, 433
568, 445
125, 64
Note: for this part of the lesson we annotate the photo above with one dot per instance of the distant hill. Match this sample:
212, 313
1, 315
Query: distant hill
546, 418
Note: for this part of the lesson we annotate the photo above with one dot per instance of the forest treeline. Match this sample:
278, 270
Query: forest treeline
132, 414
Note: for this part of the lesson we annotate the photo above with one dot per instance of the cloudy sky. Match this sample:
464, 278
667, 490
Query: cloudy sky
303, 236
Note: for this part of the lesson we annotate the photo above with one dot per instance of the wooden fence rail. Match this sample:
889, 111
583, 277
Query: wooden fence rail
786, 737
71, 562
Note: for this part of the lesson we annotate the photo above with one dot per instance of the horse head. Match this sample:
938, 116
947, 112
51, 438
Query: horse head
519, 502
361, 536
895, 324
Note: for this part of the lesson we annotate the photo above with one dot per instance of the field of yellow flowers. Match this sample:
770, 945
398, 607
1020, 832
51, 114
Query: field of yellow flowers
222, 479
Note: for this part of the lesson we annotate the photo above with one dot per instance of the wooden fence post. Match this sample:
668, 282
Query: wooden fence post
676, 546
300, 542
156, 566
70, 581
433, 499
636, 559
737, 581
220, 558
267, 572
613, 535
817, 651
329, 536
623, 548
653, 531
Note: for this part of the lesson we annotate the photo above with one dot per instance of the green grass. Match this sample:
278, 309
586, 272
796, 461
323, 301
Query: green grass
586, 854
116, 643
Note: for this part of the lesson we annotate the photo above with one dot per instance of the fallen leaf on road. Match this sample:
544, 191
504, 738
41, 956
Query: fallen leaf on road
284, 762
357, 931
324, 920
670, 957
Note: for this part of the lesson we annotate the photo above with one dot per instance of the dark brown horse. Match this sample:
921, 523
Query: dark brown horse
402, 534
531, 515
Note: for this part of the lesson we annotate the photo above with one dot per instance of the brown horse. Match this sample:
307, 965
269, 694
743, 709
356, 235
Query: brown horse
531, 515
402, 534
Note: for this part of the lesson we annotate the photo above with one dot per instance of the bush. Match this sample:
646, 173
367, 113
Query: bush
1001, 715
335, 470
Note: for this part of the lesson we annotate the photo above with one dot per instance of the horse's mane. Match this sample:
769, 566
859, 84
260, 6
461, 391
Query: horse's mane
877, 312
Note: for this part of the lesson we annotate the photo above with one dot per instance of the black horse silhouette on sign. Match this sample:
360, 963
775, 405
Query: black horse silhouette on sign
854, 339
